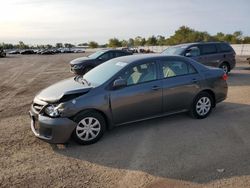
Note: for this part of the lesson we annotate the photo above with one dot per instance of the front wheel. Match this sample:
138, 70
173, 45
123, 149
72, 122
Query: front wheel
90, 128
202, 106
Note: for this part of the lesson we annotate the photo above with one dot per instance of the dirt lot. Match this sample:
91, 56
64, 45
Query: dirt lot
174, 151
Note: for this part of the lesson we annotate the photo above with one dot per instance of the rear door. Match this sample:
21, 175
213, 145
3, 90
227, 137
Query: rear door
141, 98
181, 82
209, 55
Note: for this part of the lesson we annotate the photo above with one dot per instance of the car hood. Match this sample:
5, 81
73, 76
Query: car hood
67, 87
81, 60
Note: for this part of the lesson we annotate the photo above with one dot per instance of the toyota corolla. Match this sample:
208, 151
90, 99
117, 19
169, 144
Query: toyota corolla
124, 90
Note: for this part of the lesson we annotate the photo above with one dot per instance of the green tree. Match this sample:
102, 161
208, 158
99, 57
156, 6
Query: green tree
114, 43
151, 41
48, 46
161, 40
59, 45
93, 44
21, 45
124, 43
220, 36
139, 41
131, 42
68, 45
246, 40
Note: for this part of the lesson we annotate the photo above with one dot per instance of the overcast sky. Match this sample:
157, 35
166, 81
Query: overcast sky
77, 21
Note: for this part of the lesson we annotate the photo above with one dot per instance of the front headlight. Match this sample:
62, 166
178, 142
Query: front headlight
77, 66
54, 110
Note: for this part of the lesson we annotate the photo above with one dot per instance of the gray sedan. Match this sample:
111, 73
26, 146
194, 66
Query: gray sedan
124, 90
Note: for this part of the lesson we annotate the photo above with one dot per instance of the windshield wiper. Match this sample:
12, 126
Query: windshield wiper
82, 80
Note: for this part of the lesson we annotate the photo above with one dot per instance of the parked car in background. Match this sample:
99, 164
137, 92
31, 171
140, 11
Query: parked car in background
82, 65
27, 52
47, 52
79, 51
248, 60
14, 52
2, 53
216, 54
123, 90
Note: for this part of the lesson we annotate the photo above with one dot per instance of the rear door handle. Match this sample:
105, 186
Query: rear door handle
156, 87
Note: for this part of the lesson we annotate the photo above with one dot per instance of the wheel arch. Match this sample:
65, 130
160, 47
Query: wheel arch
227, 63
105, 116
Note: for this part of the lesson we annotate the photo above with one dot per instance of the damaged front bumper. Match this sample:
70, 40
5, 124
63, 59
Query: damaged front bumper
52, 130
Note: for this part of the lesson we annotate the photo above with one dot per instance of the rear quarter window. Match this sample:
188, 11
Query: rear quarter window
224, 47
208, 49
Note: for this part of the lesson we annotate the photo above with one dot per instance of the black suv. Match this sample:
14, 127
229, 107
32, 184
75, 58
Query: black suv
2, 53
82, 65
216, 54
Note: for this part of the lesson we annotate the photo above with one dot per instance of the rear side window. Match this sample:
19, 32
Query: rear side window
176, 68
224, 47
118, 54
208, 49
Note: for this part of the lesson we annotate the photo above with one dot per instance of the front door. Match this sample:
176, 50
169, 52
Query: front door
141, 98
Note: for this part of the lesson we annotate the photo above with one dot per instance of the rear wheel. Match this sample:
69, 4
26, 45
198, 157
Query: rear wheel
225, 67
90, 128
202, 106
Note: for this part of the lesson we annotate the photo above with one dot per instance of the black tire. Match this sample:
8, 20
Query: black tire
198, 107
83, 118
225, 67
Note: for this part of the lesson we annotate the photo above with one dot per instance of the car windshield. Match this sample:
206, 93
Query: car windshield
177, 50
96, 54
103, 72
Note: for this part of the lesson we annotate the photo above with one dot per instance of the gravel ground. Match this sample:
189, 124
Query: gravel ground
174, 151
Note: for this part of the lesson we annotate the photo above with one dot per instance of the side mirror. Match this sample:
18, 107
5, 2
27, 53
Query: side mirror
100, 58
119, 83
188, 54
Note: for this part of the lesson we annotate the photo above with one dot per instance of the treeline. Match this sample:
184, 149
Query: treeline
22, 45
183, 35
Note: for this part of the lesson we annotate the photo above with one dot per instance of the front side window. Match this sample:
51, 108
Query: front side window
174, 50
140, 73
176, 68
105, 56
193, 51
96, 54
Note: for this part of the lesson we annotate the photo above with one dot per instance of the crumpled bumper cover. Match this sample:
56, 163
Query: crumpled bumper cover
52, 130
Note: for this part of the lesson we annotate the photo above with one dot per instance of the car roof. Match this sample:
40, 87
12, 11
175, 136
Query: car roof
140, 57
196, 43
113, 50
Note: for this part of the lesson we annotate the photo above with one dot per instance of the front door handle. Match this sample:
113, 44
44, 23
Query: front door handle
194, 80
156, 87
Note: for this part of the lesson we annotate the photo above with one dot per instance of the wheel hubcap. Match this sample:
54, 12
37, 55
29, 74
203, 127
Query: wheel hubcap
88, 128
203, 106
224, 68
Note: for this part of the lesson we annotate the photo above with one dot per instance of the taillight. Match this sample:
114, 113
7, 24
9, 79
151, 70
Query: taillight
225, 77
